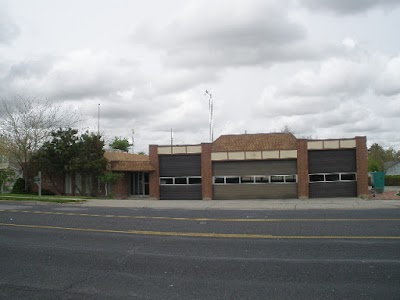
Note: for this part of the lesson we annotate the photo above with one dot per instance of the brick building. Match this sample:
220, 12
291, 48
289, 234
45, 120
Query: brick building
244, 166
259, 166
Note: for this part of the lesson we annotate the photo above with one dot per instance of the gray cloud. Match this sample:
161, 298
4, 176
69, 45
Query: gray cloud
8, 30
230, 34
348, 6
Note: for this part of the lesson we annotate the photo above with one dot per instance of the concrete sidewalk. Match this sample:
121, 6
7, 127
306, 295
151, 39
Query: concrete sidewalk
287, 204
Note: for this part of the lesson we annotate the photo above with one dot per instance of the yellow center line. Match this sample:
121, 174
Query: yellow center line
199, 219
201, 234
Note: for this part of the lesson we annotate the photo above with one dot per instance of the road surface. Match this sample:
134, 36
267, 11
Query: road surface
70, 252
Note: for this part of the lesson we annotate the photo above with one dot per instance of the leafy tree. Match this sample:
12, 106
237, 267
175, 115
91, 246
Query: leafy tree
91, 161
19, 187
120, 144
378, 156
109, 178
6, 175
69, 153
26, 124
58, 157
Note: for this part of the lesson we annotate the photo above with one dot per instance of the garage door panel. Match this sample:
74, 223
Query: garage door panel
255, 191
180, 192
333, 189
237, 168
180, 165
331, 161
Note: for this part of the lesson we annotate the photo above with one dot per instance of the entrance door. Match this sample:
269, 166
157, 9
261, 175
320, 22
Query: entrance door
140, 184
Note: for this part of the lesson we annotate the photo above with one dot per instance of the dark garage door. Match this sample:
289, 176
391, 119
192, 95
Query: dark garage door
182, 167
334, 173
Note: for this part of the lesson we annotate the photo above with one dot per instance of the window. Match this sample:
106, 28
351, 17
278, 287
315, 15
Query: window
255, 179
290, 178
232, 179
219, 180
332, 177
262, 179
180, 180
194, 180
247, 179
317, 177
277, 178
166, 180
348, 177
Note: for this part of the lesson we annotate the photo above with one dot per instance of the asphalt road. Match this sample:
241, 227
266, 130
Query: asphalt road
69, 252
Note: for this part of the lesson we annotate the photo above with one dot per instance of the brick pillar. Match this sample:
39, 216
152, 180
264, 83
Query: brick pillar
362, 165
206, 171
303, 188
154, 177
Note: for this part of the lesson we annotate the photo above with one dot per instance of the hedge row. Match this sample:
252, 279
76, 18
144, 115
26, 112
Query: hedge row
390, 180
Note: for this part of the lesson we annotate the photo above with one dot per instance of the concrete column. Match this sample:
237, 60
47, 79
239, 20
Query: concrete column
154, 177
303, 188
206, 171
362, 165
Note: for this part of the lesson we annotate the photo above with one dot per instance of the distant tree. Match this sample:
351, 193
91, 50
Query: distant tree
120, 144
26, 123
378, 156
141, 153
287, 129
6, 175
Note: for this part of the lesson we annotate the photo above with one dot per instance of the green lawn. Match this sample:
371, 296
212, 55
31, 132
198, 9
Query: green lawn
55, 199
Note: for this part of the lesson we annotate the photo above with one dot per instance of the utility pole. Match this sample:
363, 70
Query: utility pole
210, 113
133, 140
98, 119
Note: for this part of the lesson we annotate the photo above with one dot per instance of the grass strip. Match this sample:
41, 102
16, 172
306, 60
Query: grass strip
45, 198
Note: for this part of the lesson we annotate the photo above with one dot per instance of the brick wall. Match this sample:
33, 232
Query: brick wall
154, 181
362, 165
302, 169
120, 189
206, 171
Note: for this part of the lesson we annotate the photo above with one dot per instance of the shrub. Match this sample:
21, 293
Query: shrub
392, 180
19, 187
47, 192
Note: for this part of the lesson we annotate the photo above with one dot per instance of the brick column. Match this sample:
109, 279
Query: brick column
206, 171
362, 165
303, 188
154, 177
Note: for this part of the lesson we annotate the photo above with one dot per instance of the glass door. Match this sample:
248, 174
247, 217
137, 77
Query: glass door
140, 184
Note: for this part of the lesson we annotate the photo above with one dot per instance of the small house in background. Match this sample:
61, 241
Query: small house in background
392, 168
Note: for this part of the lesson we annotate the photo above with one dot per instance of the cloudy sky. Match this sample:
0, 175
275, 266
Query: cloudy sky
324, 68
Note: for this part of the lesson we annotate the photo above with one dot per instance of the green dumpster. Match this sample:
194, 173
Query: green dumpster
378, 181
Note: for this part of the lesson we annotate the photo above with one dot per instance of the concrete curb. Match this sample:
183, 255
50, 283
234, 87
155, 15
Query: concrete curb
289, 204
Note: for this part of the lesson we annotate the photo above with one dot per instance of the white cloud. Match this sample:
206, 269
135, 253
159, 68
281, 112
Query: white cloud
74, 76
8, 29
389, 80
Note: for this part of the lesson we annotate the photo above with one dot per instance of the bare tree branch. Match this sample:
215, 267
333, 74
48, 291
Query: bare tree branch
26, 123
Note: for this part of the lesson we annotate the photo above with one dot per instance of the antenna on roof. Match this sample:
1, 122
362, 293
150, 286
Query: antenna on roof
210, 111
